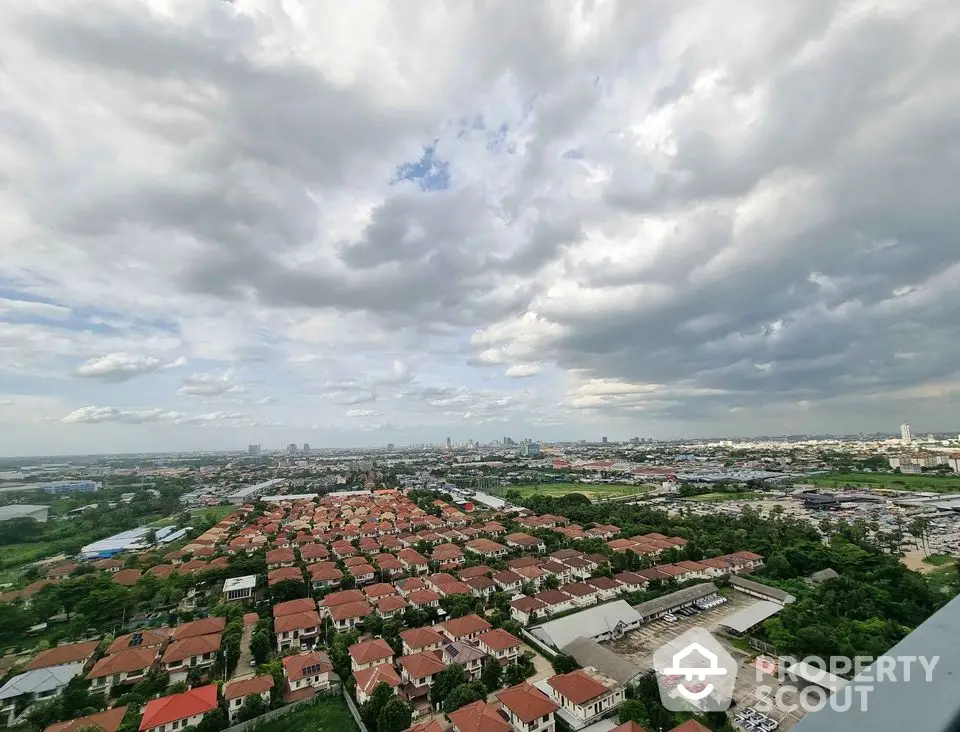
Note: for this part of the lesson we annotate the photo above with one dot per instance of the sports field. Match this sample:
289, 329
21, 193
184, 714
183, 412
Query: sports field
890, 481
590, 491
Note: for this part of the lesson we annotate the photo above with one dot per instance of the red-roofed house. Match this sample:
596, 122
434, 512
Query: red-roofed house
177, 711
416, 640
108, 721
528, 709
296, 629
195, 652
418, 671
369, 653
324, 574
499, 644
586, 694
311, 669
280, 558
370, 678
235, 693
478, 717
125, 667
466, 628
350, 614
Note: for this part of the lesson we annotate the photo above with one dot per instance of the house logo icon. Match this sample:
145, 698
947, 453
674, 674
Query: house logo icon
695, 673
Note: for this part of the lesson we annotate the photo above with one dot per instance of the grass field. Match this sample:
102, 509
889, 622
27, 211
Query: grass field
218, 512
590, 491
939, 560
717, 497
890, 481
327, 714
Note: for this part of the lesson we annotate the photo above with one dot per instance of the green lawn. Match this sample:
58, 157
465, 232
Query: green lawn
590, 491
733, 496
939, 560
329, 713
890, 481
219, 512
17, 555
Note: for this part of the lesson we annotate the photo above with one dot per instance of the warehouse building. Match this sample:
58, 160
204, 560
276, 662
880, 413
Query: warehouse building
657, 608
253, 492
599, 623
743, 621
761, 591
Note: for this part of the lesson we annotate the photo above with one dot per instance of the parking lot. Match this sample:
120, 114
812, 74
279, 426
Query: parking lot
639, 646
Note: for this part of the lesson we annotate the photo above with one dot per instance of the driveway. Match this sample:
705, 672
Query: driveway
243, 669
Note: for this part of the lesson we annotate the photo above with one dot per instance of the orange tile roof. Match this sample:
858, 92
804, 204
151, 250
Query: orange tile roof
204, 626
133, 659
70, 653
141, 639
350, 610
370, 650
370, 678
181, 650
577, 686
422, 664
498, 639
421, 637
245, 687
527, 702
108, 721
466, 625
478, 717
171, 708
296, 621
291, 607
306, 664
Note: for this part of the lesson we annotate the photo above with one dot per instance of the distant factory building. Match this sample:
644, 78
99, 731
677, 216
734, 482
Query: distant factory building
253, 492
70, 486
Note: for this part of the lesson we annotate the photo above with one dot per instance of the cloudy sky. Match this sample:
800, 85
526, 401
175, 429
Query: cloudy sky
363, 222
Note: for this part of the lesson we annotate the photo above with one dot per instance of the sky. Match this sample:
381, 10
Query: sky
354, 223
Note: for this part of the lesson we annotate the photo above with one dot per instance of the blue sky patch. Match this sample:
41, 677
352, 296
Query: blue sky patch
430, 172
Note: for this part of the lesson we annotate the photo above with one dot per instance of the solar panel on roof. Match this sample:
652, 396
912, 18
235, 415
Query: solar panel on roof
136, 639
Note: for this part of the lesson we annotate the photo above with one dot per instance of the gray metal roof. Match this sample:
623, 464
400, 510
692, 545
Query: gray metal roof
587, 652
917, 704
590, 623
40, 680
742, 620
774, 593
675, 599
23, 510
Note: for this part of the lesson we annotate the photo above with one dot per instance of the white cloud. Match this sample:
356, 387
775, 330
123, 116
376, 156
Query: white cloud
523, 370
210, 384
32, 309
358, 413
115, 367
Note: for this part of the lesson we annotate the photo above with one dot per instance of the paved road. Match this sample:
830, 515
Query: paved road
243, 669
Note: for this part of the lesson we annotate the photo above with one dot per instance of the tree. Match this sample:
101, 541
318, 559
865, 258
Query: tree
490, 676
564, 664
395, 716
253, 706
371, 708
633, 710
213, 721
446, 681
288, 590
552, 582
463, 695
260, 646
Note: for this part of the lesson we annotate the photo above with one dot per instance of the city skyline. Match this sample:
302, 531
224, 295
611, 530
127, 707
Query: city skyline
677, 221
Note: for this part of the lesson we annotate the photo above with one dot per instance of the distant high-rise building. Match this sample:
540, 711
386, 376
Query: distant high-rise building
530, 449
306, 448
905, 434
292, 448
449, 444
389, 445
603, 440
634, 440
253, 449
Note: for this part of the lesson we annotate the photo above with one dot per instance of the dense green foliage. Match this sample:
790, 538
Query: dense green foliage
874, 603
